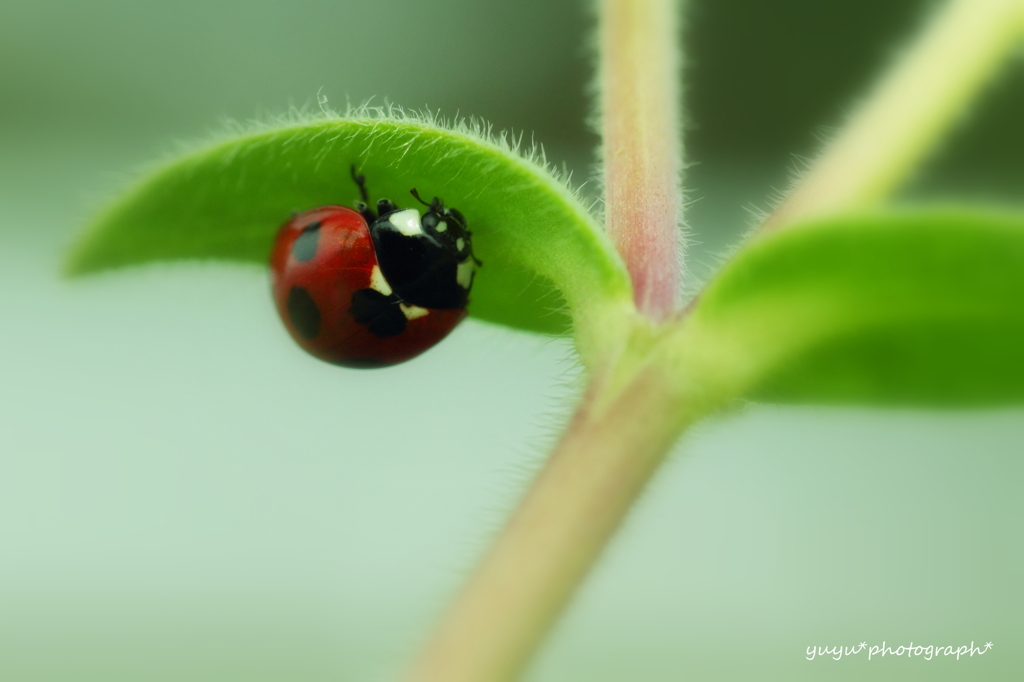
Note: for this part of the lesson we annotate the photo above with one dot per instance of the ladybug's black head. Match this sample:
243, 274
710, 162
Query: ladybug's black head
427, 260
444, 225
448, 226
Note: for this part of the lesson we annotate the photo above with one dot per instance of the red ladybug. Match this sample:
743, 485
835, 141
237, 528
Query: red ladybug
364, 289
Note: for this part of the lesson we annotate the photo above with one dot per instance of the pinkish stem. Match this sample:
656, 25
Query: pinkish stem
642, 146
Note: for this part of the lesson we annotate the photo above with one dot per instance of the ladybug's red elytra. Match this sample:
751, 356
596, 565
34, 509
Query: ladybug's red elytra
365, 289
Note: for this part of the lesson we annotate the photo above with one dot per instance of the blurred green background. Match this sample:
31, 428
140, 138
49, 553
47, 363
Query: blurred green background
184, 495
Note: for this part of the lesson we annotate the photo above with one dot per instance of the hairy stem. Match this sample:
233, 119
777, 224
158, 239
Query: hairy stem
909, 110
642, 151
612, 447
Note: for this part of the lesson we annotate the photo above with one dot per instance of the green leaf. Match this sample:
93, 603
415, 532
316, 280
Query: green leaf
912, 308
545, 259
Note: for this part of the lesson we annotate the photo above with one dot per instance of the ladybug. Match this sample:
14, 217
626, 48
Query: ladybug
364, 288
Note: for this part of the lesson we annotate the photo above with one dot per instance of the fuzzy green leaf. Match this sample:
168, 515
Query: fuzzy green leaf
544, 256
912, 308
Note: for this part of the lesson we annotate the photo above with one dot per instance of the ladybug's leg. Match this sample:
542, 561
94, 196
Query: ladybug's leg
360, 180
363, 206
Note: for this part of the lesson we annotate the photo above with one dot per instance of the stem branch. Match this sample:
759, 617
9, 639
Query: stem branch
909, 110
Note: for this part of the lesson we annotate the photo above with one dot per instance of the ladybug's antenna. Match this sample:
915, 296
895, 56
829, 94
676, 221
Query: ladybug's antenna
436, 205
360, 180
417, 195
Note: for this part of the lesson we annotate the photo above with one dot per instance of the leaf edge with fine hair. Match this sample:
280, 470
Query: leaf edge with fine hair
548, 267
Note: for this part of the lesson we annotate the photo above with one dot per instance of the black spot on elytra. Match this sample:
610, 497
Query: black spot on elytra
304, 314
305, 245
378, 312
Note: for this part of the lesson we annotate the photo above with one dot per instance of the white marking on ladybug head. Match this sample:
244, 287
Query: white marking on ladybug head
407, 222
442, 226
378, 283
460, 243
411, 312
464, 273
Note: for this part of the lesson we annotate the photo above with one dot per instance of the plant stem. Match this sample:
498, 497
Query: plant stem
642, 153
629, 418
596, 472
909, 110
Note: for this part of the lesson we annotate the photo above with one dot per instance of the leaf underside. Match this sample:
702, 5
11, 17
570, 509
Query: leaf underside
543, 253
906, 308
